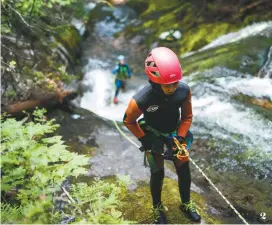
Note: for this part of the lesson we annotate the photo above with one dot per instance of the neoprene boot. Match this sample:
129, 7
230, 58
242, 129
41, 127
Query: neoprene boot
190, 211
159, 215
115, 100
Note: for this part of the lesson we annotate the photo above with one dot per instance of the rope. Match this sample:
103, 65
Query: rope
210, 182
219, 192
200, 170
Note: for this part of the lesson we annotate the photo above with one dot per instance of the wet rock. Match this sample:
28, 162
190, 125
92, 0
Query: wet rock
137, 39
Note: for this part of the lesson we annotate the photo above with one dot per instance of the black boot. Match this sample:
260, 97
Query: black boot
159, 215
190, 211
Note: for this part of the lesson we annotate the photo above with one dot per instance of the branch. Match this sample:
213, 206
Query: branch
21, 17
68, 195
254, 4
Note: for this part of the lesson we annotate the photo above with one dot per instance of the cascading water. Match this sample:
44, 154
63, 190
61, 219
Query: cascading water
241, 137
98, 98
266, 70
238, 137
235, 129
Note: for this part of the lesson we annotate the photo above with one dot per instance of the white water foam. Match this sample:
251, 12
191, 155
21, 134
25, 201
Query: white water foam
212, 105
98, 98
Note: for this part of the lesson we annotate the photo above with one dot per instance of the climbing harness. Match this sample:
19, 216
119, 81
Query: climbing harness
180, 150
199, 169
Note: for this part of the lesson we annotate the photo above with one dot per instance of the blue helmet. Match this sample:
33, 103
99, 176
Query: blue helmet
121, 57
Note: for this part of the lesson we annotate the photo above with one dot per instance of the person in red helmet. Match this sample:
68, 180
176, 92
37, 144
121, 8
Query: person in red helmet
167, 116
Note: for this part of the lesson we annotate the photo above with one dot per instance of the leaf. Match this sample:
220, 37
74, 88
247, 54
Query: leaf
12, 63
116, 214
53, 140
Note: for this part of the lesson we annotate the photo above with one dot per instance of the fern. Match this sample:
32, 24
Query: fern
100, 201
35, 164
10, 214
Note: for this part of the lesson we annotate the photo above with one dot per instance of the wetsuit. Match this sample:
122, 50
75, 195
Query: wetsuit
122, 72
165, 114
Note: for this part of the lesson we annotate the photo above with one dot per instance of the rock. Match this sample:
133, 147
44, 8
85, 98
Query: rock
137, 39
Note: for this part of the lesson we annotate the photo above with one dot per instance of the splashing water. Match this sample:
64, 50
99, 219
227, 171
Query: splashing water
99, 96
238, 127
266, 70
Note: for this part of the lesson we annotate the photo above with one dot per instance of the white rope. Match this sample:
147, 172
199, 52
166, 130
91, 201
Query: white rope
220, 193
210, 182
200, 170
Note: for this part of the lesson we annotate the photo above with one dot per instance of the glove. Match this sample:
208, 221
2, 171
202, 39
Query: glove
180, 139
146, 143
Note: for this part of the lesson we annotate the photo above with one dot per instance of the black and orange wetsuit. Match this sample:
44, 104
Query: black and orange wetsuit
160, 112
165, 114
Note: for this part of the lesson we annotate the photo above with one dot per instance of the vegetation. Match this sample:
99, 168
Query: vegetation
38, 46
100, 202
34, 166
198, 21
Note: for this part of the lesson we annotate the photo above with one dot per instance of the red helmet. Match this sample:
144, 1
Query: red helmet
162, 66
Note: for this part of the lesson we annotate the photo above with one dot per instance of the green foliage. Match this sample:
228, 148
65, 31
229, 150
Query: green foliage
199, 21
31, 53
10, 214
10, 93
38, 7
99, 202
35, 164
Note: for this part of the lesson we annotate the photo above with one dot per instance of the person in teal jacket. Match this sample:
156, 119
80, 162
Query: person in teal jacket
123, 73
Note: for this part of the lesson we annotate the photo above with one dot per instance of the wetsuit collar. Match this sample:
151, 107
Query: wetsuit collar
157, 89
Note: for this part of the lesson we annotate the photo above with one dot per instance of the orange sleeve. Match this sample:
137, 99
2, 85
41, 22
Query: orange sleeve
186, 116
130, 119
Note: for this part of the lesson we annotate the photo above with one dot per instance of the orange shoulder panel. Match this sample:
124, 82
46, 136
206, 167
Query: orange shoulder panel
130, 119
186, 116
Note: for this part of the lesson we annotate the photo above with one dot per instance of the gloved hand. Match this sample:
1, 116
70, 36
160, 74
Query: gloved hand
146, 143
180, 139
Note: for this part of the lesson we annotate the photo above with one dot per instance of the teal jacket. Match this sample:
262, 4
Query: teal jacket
122, 71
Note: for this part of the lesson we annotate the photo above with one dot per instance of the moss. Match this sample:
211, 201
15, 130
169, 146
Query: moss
200, 22
69, 37
261, 106
247, 191
247, 56
141, 210
10, 93
202, 35
159, 5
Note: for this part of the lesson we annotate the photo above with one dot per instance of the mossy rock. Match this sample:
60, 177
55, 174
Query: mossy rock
261, 106
202, 35
199, 22
137, 206
247, 56
69, 37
